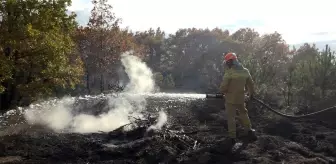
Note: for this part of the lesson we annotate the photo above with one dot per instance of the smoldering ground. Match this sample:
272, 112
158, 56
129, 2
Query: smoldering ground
194, 131
60, 116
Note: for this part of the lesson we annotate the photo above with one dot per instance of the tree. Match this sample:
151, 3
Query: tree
267, 60
153, 42
102, 23
101, 44
41, 56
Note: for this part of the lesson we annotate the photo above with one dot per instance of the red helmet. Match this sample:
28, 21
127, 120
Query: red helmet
229, 56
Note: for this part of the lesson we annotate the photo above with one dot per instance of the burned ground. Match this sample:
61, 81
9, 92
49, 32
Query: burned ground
195, 133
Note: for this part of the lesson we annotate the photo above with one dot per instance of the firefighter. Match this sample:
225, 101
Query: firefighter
236, 78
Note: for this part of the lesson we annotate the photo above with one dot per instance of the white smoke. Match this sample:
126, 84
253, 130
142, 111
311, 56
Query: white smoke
60, 116
53, 114
141, 77
161, 121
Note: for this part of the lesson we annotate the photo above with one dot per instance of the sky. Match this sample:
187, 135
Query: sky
298, 21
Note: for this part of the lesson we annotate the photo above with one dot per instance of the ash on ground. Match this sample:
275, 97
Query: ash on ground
194, 133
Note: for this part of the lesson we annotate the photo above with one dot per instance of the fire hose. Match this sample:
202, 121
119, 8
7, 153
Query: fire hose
221, 96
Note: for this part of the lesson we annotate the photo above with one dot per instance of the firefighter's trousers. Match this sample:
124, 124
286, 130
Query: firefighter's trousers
242, 116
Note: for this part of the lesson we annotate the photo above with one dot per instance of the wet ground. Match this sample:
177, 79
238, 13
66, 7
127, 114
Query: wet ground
195, 133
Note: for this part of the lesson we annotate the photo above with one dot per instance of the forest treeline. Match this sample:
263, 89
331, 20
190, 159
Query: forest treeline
44, 52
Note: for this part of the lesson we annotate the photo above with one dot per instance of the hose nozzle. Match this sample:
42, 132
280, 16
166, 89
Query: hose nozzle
218, 95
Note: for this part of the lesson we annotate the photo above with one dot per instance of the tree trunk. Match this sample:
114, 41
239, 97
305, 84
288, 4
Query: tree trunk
6, 97
88, 82
101, 83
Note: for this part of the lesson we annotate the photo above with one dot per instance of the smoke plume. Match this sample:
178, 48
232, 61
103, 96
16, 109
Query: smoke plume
161, 121
60, 116
141, 77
